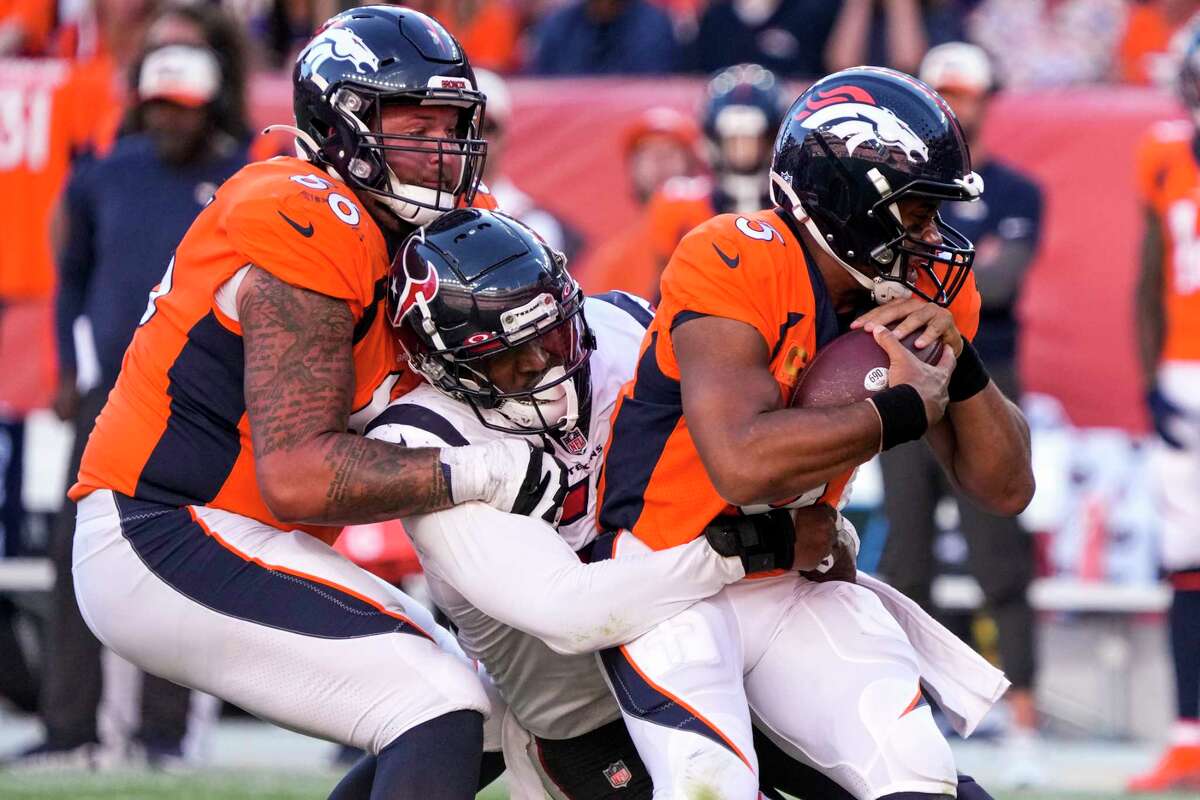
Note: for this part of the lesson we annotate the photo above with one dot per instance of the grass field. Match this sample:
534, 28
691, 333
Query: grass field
282, 786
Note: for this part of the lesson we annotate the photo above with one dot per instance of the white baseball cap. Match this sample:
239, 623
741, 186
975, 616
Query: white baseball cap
499, 101
957, 66
181, 73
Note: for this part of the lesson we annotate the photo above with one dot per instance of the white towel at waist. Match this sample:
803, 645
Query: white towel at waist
962, 682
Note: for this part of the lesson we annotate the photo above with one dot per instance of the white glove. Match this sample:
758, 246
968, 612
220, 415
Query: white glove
508, 474
847, 537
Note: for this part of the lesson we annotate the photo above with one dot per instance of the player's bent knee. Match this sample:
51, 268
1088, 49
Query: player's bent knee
912, 756
710, 773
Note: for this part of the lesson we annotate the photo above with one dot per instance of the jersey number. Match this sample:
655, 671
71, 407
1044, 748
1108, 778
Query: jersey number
1185, 246
24, 128
158, 291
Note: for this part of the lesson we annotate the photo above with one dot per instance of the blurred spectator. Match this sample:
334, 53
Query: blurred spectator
1168, 318
605, 37
743, 107
1145, 56
25, 27
887, 33
660, 145
487, 29
125, 213
1004, 225
513, 201
1049, 42
786, 36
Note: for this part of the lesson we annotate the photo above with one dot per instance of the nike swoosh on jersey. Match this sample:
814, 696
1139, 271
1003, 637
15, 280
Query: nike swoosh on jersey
306, 232
732, 263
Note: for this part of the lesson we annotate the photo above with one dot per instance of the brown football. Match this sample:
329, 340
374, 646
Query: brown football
851, 368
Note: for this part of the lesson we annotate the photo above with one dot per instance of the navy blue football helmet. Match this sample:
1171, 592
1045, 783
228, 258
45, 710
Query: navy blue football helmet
478, 285
853, 146
369, 56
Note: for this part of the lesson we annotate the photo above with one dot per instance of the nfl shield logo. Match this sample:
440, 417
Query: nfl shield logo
576, 443
618, 775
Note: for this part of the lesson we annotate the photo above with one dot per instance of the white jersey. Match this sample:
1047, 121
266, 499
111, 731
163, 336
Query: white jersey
510, 585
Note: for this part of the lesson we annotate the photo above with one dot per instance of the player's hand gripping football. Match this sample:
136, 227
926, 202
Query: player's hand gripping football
914, 314
932, 381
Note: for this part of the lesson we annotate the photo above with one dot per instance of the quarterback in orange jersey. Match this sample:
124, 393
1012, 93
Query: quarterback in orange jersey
741, 110
700, 442
224, 461
1168, 168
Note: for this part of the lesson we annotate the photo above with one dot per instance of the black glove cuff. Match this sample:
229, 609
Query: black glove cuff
970, 377
902, 412
763, 542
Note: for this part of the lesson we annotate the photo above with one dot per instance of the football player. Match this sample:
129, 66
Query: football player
223, 465
742, 109
699, 440
1169, 344
510, 348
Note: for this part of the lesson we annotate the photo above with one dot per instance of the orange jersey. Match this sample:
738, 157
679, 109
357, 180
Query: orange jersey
679, 206
1169, 184
175, 429
50, 111
624, 263
749, 268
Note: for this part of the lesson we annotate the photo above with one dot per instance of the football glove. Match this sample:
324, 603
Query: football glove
508, 474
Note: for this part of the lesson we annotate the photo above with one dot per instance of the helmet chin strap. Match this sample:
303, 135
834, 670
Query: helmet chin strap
559, 405
306, 146
882, 291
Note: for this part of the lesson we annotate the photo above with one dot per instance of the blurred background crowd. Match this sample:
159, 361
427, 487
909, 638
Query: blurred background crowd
614, 127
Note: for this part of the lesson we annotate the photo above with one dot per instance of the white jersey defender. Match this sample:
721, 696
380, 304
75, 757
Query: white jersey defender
523, 602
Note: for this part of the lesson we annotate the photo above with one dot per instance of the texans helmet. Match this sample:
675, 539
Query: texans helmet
365, 57
743, 102
475, 287
852, 147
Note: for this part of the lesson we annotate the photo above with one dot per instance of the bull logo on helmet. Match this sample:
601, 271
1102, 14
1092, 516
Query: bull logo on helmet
414, 290
851, 114
340, 44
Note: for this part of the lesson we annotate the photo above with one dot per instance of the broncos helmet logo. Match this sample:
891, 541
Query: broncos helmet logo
341, 44
851, 114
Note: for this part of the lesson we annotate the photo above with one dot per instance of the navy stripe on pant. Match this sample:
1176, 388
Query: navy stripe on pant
641, 699
177, 549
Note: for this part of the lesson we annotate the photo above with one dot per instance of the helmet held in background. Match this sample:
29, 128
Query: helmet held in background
854, 147
368, 62
742, 109
488, 314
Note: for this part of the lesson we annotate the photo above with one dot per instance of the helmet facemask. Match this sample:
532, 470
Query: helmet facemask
360, 151
558, 328
884, 256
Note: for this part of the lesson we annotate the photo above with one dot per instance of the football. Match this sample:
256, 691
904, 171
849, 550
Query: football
851, 368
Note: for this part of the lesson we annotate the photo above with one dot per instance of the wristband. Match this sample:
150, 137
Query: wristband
970, 377
901, 415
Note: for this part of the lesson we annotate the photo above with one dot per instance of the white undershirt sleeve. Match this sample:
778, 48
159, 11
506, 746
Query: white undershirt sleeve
519, 571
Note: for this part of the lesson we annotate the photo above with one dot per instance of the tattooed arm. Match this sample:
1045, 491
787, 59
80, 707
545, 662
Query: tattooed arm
299, 387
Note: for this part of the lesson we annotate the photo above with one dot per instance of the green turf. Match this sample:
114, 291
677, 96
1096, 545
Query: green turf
284, 786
